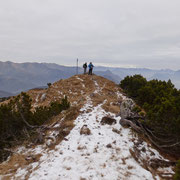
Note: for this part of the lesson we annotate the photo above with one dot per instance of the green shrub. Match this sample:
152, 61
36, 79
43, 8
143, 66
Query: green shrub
16, 116
136, 109
160, 100
177, 171
132, 84
142, 113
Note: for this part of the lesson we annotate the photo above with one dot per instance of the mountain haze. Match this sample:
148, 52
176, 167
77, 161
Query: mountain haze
5, 94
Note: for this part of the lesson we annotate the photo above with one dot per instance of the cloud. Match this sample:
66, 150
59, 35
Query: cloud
117, 33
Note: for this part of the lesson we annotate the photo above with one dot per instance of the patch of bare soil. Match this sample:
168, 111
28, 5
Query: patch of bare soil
108, 120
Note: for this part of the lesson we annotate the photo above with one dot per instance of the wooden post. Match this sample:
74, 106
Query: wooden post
77, 67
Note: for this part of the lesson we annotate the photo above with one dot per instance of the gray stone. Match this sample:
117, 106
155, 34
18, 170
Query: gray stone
126, 108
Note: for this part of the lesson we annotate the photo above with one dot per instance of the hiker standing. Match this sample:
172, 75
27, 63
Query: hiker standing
90, 68
85, 67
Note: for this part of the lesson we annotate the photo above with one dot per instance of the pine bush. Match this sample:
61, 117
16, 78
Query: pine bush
18, 109
160, 100
177, 171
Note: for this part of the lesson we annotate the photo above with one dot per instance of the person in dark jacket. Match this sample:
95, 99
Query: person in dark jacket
85, 67
90, 68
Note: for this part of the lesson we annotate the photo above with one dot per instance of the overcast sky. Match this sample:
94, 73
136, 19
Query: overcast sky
124, 33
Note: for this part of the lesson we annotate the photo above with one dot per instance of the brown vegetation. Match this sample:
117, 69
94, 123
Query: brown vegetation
108, 120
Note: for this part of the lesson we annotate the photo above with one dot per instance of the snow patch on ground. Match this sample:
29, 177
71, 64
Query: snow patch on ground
98, 89
36, 101
79, 79
102, 155
120, 95
43, 97
37, 97
59, 92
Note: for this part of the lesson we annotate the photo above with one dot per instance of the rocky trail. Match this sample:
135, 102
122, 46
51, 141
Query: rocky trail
87, 141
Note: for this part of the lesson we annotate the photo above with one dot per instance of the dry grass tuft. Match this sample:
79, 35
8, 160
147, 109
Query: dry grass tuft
15, 162
67, 124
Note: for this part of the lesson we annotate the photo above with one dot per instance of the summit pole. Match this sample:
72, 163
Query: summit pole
77, 67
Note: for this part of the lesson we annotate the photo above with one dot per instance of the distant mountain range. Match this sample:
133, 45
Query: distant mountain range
163, 74
17, 77
5, 94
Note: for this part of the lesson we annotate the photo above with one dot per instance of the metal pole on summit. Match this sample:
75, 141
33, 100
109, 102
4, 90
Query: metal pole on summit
77, 67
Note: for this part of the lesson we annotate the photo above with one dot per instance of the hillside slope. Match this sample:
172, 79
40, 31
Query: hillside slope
80, 143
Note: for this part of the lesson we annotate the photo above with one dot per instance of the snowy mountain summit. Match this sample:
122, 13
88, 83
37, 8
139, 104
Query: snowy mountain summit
86, 142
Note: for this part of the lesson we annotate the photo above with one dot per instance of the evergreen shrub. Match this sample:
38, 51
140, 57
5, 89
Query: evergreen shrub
17, 117
161, 102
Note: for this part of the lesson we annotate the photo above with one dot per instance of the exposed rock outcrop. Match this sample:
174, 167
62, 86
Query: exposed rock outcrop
126, 108
128, 116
